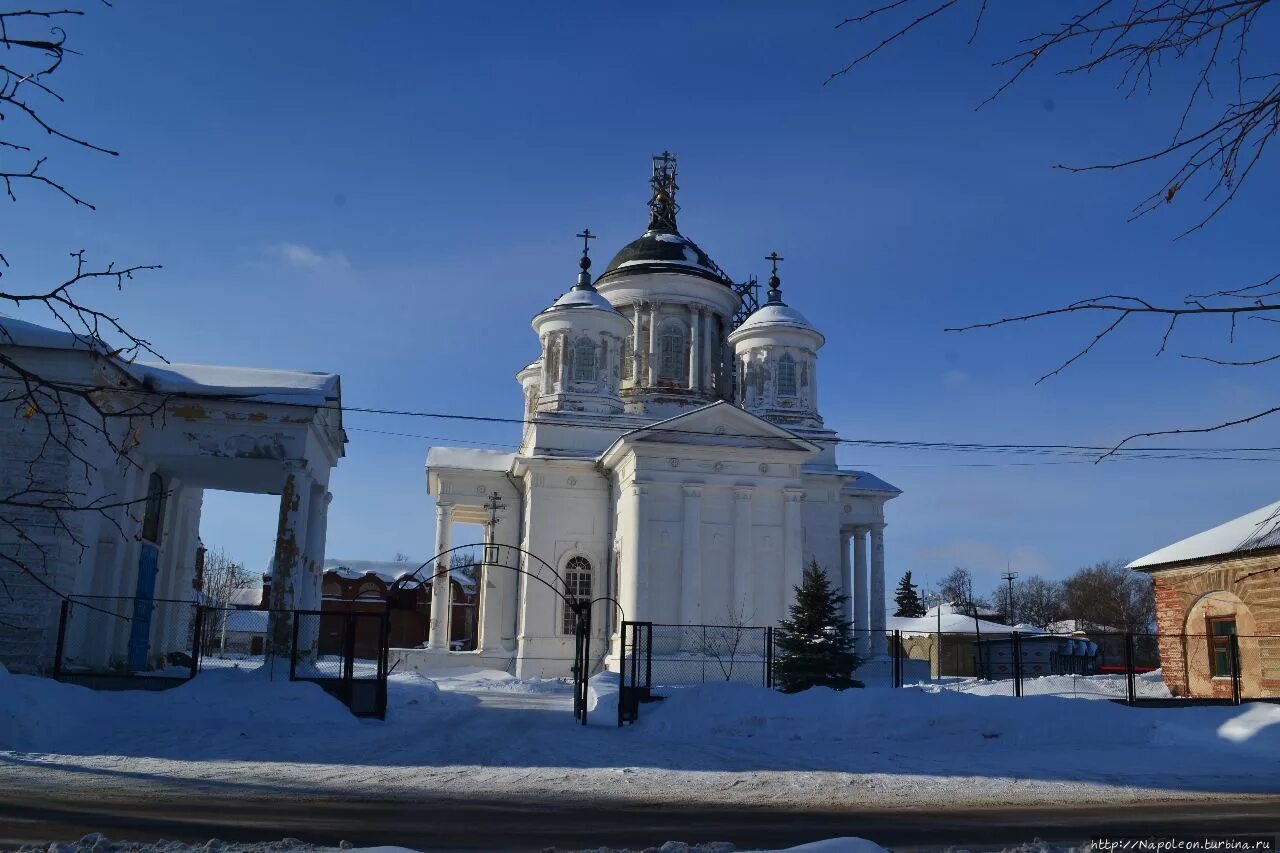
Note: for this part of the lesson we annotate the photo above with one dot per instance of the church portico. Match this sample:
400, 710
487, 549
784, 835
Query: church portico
674, 467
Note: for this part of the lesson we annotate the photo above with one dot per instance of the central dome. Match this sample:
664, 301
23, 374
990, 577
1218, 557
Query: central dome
662, 250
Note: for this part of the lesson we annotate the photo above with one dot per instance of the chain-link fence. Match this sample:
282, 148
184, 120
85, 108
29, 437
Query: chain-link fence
116, 642
1129, 667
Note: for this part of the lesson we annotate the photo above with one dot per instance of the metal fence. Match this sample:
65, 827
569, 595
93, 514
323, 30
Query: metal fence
118, 642
1129, 667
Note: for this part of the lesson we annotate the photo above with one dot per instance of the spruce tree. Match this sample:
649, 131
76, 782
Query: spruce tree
908, 599
815, 646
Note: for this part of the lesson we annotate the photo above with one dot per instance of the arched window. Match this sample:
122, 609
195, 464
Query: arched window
786, 376
584, 360
577, 588
628, 358
672, 361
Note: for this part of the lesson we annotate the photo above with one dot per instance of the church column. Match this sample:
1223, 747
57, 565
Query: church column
632, 585
742, 606
544, 380
879, 643
695, 348
792, 544
845, 587
691, 558
709, 322
438, 633
564, 362
813, 384
653, 344
636, 351
861, 610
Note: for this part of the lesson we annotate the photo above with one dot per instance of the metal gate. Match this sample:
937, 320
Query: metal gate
635, 675
581, 660
346, 655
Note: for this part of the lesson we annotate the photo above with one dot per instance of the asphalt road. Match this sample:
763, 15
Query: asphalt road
452, 824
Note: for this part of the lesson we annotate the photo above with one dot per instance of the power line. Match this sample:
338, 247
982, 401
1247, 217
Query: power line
1086, 452
1086, 459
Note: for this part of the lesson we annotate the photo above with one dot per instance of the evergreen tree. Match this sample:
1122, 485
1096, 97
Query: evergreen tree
908, 599
815, 646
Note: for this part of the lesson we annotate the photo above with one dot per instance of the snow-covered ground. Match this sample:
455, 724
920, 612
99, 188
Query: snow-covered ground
486, 734
96, 842
1150, 685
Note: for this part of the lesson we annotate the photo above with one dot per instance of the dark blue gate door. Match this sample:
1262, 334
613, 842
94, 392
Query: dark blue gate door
143, 604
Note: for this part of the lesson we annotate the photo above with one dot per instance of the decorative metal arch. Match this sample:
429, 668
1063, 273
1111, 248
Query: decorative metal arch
581, 609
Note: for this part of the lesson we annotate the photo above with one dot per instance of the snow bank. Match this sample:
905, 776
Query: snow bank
858, 720
1150, 685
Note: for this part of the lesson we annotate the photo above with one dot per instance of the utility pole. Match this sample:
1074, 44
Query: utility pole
1009, 577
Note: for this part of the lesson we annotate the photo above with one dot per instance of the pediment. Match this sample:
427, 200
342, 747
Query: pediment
717, 425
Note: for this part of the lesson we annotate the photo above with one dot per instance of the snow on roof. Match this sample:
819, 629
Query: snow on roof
951, 623
1257, 529
584, 298
470, 459
249, 383
247, 621
386, 570
870, 483
20, 333
775, 314
248, 597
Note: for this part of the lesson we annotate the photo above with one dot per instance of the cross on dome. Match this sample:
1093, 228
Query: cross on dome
662, 201
775, 283
584, 264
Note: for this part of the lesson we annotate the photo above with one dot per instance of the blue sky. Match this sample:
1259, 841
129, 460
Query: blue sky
391, 193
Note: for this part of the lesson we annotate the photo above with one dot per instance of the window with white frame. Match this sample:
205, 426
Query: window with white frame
786, 376
672, 362
577, 589
584, 360
628, 358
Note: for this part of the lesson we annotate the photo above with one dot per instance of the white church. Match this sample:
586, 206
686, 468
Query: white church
674, 460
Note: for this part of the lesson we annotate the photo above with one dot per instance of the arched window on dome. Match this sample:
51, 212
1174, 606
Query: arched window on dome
577, 589
584, 360
673, 358
786, 376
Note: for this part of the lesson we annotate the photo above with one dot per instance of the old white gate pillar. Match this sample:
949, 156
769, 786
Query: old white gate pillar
441, 592
288, 573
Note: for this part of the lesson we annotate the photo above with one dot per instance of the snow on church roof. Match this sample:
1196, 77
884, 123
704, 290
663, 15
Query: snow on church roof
249, 383
198, 380
20, 333
1249, 532
469, 459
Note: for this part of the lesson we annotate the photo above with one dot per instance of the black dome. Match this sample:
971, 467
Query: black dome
660, 250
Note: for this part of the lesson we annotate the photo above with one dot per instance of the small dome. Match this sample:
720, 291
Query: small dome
579, 299
775, 314
659, 250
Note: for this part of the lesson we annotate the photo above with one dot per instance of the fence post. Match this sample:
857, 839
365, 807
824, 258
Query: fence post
63, 612
1017, 663
293, 650
1235, 669
768, 657
196, 641
897, 658
1130, 679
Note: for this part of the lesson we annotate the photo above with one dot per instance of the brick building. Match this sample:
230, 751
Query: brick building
1211, 587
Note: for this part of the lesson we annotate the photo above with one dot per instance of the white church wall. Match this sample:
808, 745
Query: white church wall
567, 515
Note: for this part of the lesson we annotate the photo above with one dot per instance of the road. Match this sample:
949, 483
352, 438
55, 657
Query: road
453, 824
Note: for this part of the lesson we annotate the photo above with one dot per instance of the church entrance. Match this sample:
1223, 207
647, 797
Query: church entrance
512, 558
